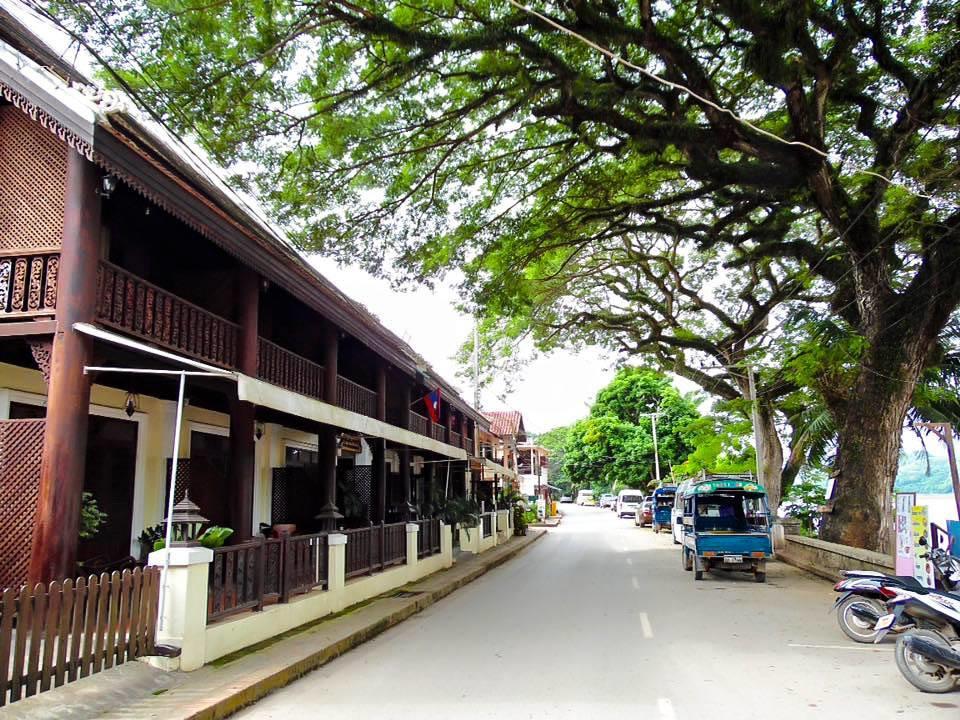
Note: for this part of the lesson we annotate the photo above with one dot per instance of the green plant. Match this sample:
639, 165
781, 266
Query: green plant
91, 518
804, 501
464, 512
520, 520
529, 517
215, 536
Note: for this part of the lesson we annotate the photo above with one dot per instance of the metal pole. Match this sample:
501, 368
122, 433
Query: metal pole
755, 413
170, 501
476, 365
656, 451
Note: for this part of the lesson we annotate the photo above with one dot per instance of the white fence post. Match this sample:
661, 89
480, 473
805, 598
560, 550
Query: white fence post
185, 608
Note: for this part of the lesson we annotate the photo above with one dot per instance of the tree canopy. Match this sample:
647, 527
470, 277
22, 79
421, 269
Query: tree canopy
812, 145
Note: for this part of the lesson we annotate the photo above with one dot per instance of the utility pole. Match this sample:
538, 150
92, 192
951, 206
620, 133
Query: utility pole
656, 451
944, 431
755, 413
476, 365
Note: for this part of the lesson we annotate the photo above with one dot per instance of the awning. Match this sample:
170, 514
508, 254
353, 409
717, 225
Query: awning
498, 468
274, 397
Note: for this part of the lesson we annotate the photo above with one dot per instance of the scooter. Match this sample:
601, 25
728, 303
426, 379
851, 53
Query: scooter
861, 605
929, 657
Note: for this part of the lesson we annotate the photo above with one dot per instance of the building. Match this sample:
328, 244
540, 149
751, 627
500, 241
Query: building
126, 261
533, 469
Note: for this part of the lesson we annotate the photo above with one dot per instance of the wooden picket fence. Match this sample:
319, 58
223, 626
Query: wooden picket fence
57, 633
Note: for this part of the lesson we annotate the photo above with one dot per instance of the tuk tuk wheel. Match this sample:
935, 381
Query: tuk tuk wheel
687, 560
698, 575
759, 576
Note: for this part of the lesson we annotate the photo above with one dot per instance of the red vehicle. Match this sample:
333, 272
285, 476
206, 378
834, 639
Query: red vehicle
644, 514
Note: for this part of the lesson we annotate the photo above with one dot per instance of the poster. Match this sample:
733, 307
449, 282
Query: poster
904, 529
922, 569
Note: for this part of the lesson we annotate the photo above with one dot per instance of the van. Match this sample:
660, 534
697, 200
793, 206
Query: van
585, 497
676, 514
628, 502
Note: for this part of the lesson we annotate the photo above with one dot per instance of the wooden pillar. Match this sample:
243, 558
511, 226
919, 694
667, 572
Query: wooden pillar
429, 486
242, 419
327, 462
449, 422
331, 343
382, 393
379, 448
63, 463
407, 511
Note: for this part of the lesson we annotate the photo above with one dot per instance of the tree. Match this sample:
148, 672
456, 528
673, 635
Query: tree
497, 144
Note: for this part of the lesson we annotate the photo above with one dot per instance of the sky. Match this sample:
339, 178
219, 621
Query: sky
551, 391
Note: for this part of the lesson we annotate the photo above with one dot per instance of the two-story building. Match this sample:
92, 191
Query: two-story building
125, 262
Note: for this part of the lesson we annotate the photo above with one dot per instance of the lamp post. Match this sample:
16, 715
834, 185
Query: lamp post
656, 451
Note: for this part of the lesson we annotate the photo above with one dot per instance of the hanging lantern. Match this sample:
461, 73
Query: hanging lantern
186, 522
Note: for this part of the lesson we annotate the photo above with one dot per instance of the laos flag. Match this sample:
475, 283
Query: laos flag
432, 401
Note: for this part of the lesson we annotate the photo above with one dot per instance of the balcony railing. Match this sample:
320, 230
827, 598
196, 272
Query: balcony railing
28, 283
356, 398
419, 424
456, 439
289, 370
438, 433
129, 303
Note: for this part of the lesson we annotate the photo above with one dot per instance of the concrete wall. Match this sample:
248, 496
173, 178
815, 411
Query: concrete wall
828, 559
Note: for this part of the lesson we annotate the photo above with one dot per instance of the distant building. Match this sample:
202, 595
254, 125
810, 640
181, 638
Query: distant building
533, 468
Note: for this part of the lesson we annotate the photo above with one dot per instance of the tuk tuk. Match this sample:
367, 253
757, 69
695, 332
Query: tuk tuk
663, 498
726, 525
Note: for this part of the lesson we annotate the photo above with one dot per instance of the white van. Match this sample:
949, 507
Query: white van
629, 502
585, 497
677, 512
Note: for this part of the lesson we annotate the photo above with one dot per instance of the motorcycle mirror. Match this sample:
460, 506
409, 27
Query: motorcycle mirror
922, 541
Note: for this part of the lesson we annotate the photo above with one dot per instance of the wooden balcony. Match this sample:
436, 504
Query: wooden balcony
456, 439
419, 424
28, 283
438, 433
356, 398
131, 304
294, 372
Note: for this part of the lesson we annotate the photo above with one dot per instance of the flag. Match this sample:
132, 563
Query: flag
432, 401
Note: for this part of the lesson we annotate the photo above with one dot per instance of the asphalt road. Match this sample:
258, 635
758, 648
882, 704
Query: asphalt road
599, 620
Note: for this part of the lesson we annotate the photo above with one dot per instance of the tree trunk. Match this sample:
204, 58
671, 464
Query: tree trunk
771, 450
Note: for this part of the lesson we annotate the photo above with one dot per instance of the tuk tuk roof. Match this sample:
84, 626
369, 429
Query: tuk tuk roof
718, 485
666, 490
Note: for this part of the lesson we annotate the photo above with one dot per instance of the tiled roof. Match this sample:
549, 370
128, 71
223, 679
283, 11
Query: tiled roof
504, 422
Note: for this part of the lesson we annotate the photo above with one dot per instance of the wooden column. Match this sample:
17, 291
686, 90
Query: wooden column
379, 448
449, 423
382, 393
63, 464
429, 485
407, 511
327, 435
242, 443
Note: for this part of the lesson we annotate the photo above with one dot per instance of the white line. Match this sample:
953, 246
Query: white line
645, 627
629, 561
869, 648
636, 583
666, 708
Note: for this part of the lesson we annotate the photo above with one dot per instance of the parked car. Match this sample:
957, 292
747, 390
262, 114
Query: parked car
566, 499
627, 502
607, 500
644, 514
585, 497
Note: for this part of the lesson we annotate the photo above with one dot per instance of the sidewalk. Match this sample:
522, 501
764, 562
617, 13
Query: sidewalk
136, 690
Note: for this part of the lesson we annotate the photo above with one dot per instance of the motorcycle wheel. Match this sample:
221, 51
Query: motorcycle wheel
920, 672
853, 627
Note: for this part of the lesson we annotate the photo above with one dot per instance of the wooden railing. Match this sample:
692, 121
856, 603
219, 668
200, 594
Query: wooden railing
305, 564
438, 432
419, 424
131, 304
428, 539
456, 439
28, 283
486, 521
57, 633
356, 398
374, 548
289, 370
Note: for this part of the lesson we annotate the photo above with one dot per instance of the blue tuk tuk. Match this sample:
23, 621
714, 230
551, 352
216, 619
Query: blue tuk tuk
663, 498
726, 525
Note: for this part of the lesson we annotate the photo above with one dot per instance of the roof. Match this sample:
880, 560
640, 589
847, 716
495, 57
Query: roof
108, 128
505, 422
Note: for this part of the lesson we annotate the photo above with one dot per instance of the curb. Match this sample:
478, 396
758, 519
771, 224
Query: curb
243, 697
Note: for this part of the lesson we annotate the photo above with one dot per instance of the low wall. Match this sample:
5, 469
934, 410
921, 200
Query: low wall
233, 634
828, 559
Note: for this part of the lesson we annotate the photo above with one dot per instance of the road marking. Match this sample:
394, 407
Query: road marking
666, 708
645, 627
869, 648
629, 561
636, 583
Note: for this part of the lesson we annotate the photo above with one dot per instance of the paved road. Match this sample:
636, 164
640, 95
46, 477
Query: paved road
598, 620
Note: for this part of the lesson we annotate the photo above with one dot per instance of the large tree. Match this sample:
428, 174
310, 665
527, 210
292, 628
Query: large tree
496, 143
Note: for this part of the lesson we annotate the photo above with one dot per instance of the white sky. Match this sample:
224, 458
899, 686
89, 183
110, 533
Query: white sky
551, 391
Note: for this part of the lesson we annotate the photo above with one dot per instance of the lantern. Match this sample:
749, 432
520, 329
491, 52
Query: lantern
186, 522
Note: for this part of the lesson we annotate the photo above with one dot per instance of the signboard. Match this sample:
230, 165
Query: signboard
904, 530
922, 569
541, 508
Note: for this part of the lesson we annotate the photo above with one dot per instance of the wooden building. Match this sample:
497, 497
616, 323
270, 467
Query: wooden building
120, 248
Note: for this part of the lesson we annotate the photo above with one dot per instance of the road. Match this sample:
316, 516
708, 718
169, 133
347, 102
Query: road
598, 619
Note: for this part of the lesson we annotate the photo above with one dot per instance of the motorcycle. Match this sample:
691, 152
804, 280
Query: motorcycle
862, 604
928, 657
